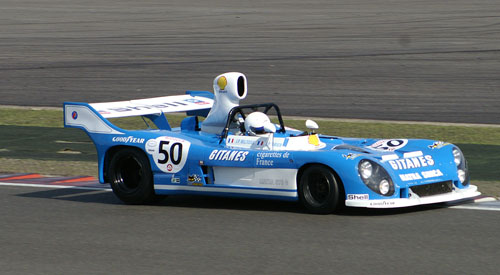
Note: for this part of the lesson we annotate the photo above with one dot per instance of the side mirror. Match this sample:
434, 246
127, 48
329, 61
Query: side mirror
312, 125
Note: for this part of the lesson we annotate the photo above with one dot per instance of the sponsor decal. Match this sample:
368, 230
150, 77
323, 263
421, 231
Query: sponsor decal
169, 153
314, 140
432, 173
195, 180
358, 197
410, 163
274, 182
129, 139
382, 203
74, 115
196, 183
389, 144
438, 145
248, 142
222, 82
228, 155
351, 156
422, 175
268, 158
264, 162
196, 101
194, 177
175, 179
410, 176
158, 105
145, 107
151, 143
284, 155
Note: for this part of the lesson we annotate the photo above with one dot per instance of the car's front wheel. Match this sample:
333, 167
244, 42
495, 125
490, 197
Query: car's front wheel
319, 189
130, 177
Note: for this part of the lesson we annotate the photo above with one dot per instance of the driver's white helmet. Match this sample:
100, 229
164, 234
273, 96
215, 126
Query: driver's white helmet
258, 123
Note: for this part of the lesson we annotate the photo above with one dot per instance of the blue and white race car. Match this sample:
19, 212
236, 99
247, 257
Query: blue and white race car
237, 151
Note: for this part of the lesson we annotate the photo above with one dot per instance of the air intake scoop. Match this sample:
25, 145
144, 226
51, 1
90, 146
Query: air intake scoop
229, 89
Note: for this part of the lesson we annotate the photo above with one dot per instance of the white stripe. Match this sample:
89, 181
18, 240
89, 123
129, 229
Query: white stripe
472, 207
225, 190
53, 186
485, 199
413, 154
488, 205
390, 157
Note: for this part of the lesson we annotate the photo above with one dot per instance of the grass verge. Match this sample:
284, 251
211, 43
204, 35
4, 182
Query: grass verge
34, 141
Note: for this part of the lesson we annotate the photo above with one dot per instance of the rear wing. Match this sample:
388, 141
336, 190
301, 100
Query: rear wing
155, 105
92, 117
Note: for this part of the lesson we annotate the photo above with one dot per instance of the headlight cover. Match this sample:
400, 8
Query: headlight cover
365, 169
461, 163
375, 177
457, 156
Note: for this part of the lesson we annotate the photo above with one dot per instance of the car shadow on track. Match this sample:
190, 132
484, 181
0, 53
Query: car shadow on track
76, 195
209, 202
178, 201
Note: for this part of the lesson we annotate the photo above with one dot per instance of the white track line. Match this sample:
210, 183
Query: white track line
53, 186
489, 206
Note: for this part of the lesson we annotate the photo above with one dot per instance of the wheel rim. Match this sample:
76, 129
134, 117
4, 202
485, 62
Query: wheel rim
129, 174
317, 189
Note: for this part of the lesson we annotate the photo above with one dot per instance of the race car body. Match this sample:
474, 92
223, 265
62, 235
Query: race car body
225, 155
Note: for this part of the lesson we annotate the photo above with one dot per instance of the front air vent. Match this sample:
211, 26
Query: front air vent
350, 147
432, 189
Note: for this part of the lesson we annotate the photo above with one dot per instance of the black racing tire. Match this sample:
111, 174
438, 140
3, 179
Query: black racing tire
131, 178
319, 189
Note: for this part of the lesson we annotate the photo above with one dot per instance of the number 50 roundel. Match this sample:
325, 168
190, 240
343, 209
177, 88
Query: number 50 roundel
169, 153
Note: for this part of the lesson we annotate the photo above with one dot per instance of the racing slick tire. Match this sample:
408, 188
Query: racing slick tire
131, 178
319, 190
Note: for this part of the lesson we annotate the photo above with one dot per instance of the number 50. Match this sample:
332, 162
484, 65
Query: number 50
175, 152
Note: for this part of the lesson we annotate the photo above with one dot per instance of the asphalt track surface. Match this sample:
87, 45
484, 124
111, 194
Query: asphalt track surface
67, 231
395, 60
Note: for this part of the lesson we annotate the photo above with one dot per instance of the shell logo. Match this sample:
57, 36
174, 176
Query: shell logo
222, 82
314, 140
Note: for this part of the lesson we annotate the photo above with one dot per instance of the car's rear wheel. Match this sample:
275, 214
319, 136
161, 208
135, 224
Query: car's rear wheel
319, 189
131, 178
